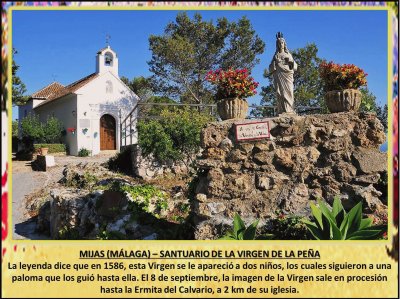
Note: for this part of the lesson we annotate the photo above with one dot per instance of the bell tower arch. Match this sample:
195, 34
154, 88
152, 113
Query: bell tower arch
107, 61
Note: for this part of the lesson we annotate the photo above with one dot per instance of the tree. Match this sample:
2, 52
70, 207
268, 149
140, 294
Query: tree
34, 131
189, 48
368, 100
31, 130
52, 130
242, 47
307, 84
15, 128
18, 87
382, 114
155, 110
141, 86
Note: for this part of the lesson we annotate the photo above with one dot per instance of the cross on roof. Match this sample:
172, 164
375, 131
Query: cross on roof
108, 37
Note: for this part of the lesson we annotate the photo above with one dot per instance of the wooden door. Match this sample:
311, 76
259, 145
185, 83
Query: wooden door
107, 133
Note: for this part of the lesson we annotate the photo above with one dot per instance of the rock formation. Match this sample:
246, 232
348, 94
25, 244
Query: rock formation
90, 202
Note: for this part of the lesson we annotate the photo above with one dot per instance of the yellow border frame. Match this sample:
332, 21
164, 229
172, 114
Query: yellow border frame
203, 8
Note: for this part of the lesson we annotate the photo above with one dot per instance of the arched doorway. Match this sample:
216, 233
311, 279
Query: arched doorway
107, 133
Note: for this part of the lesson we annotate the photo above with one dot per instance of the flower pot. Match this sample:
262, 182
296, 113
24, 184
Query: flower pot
343, 100
232, 108
44, 151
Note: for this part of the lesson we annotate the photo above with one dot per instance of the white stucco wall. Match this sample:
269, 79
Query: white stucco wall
94, 101
25, 110
63, 109
36, 102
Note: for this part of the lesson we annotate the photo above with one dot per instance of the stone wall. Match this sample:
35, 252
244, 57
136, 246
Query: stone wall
148, 168
307, 157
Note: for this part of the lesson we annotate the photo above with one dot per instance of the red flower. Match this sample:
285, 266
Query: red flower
232, 83
339, 77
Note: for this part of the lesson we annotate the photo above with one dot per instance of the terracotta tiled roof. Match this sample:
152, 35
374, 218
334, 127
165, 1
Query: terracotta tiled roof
78, 84
48, 91
67, 89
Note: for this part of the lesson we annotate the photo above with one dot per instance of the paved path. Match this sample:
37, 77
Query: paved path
25, 181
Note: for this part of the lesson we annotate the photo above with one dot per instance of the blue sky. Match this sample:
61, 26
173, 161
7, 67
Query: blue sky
63, 44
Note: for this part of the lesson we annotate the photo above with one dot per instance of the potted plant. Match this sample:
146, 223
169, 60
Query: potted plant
43, 151
232, 89
341, 83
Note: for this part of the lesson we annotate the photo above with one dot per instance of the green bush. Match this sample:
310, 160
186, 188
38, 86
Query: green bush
184, 207
173, 137
146, 192
52, 130
53, 147
32, 130
141, 195
162, 204
82, 181
336, 224
83, 152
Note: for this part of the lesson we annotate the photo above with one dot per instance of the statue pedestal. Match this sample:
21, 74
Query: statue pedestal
283, 114
42, 162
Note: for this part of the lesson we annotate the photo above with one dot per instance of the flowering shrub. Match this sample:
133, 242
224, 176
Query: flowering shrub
339, 77
232, 83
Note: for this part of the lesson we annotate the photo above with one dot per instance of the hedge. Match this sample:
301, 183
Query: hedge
53, 147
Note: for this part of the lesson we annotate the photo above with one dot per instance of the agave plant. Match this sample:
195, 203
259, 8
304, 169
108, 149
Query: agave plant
336, 224
240, 231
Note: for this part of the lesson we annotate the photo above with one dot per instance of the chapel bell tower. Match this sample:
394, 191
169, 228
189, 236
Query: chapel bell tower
107, 61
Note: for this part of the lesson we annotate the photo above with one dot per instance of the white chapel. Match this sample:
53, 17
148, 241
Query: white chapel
91, 109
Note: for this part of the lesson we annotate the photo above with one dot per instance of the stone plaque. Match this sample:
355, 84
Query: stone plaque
252, 131
84, 123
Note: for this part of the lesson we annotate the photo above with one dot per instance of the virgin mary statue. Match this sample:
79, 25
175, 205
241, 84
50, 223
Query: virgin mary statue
282, 68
